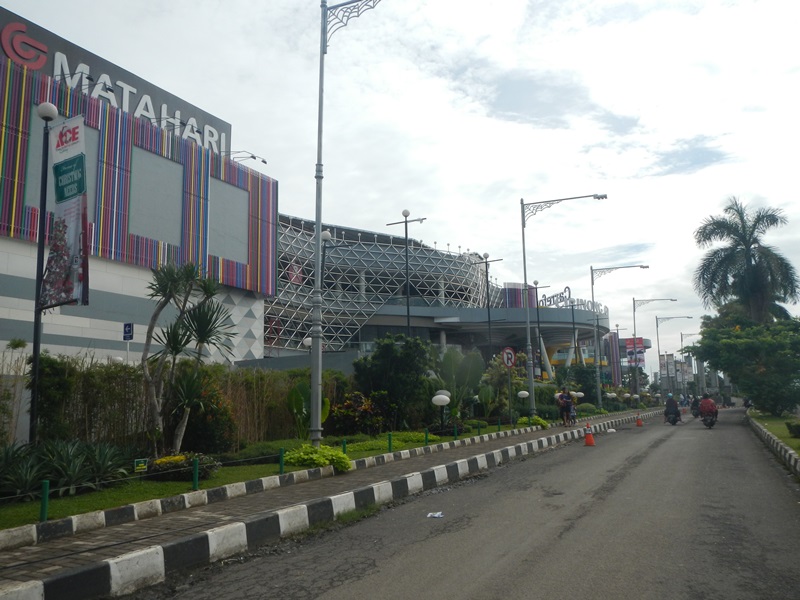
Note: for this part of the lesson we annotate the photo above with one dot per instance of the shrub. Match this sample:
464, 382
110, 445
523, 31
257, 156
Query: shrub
548, 413
534, 422
476, 423
357, 414
586, 409
212, 429
794, 428
309, 456
178, 467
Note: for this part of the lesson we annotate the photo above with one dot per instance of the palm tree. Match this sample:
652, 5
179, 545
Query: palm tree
744, 270
186, 290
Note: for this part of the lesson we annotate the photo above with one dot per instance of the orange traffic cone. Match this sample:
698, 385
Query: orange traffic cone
588, 436
639, 420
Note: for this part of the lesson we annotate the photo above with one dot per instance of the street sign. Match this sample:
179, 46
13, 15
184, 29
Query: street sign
127, 332
509, 357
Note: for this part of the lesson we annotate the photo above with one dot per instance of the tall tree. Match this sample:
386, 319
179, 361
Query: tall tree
744, 269
184, 289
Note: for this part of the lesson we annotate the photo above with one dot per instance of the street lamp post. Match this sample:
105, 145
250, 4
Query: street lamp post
597, 274
685, 386
405, 222
636, 304
539, 340
47, 112
527, 210
332, 19
486, 262
658, 346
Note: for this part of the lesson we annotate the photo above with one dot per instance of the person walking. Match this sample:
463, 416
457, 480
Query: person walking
565, 405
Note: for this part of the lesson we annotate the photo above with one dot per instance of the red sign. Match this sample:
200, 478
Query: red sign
509, 357
639, 351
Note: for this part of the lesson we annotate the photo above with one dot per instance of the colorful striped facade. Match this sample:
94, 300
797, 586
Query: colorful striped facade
119, 133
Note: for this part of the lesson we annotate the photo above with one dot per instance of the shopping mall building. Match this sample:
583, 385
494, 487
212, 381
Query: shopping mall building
162, 186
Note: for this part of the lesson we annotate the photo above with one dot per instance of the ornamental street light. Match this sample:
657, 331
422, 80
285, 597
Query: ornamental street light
528, 210
539, 340
47, 112
658, 347
636, 304
405, 222
332, 19
486, 262
441, 399
597, 274
685, 354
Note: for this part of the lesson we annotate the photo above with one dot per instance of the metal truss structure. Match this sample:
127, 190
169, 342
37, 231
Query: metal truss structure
362, 272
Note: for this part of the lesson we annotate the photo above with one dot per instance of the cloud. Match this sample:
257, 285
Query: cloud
689, 156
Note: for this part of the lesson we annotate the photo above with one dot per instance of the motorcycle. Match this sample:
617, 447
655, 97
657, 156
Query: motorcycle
672, 419
709, 420
695, 412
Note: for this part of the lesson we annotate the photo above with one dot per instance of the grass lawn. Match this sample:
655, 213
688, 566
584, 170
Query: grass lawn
138, 490
777, 427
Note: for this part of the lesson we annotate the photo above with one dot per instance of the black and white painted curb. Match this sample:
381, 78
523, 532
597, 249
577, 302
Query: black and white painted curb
786, 455
136, 570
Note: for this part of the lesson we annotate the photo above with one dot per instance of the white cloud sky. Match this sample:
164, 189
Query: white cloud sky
456, 109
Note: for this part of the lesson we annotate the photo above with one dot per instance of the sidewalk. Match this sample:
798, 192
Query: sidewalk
114, 552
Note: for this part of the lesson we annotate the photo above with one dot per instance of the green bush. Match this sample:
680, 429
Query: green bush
179, 467
548, 412
309, 456
476, 423
586, 409
412, 437
534, 422
211, 428
794, 428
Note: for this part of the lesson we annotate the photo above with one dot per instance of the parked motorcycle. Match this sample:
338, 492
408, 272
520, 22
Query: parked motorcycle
709, 420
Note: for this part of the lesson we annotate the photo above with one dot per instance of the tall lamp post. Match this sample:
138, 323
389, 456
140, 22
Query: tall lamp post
47, 112
658, 346
597, 274
527, 210
685, 386
637, 304
486, 262
405, 222
332, 19
539, 341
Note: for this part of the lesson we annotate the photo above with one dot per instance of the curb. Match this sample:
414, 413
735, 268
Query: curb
149, 566
787, 456
30, 535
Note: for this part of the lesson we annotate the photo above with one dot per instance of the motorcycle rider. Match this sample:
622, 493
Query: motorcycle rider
708, 406
695, 408
671, 408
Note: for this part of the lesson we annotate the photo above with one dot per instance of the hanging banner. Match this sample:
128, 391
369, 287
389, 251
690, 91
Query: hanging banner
638, 360
66, 278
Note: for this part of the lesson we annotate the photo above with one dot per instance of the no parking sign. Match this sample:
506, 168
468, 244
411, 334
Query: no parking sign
509, 357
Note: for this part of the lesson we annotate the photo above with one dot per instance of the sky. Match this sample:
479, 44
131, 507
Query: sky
457, 109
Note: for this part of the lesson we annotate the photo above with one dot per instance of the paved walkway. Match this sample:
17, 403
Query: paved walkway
118, 551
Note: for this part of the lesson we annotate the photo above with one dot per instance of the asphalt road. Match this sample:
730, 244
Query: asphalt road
656, 512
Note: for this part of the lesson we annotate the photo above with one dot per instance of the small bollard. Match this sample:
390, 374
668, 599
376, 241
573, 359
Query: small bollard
344, 446
45, 500
390, 442
195, 474
280, 462
479, 430
455, 432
